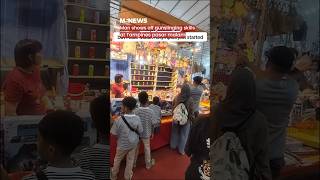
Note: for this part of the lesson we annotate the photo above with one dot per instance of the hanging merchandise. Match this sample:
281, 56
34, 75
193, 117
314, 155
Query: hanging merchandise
216, 11
240, 9
274, 19
250, 54
227, 8
129, 47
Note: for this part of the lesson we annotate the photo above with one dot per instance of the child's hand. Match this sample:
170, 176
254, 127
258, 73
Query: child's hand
4, 174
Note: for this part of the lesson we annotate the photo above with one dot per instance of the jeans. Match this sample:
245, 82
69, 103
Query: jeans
179, 136
120, 154
147, 151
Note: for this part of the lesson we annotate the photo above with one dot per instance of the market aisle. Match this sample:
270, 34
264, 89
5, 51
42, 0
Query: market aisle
169, 165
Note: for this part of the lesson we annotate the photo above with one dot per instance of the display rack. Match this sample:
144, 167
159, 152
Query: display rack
152, 77
87, 31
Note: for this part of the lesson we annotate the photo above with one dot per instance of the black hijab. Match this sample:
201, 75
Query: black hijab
185, 94
239, 103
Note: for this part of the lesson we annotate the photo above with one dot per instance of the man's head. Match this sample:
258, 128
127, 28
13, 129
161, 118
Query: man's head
280, 59
143, 97
27, 53
128, 104
156, 100
197, 80
118, 78
99, 110
60, 132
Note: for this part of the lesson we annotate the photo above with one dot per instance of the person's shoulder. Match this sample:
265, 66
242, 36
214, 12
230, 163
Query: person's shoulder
14, 75
149, 109
131, 116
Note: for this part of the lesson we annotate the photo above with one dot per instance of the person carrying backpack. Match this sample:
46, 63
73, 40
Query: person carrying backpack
198, 148
183, 115
127, 128
239, 133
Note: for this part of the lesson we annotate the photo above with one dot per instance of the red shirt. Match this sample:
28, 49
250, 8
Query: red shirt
117, 90
26, 90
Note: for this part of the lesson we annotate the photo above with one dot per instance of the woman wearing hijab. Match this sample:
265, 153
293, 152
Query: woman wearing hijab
179, 133
237, 113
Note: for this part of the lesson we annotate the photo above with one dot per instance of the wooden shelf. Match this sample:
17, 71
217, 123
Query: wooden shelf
87, 23
89, 77
164, 76
87, 59
143, 85
144, 80
142, 75
144, 70
164, 72
83, 6
142, 65
86, 41
164, 86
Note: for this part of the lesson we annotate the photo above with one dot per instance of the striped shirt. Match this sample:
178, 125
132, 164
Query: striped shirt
54, 173
148, 120
96, 159
157, 112
121, 130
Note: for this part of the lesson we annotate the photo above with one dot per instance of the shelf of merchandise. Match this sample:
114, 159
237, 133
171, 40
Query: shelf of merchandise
143, 70
142, 85
164, 86
157, 84
164, 81
165, 72
142, 75
143, 80
100, 62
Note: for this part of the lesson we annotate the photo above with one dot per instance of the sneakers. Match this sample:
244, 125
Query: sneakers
150, 164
